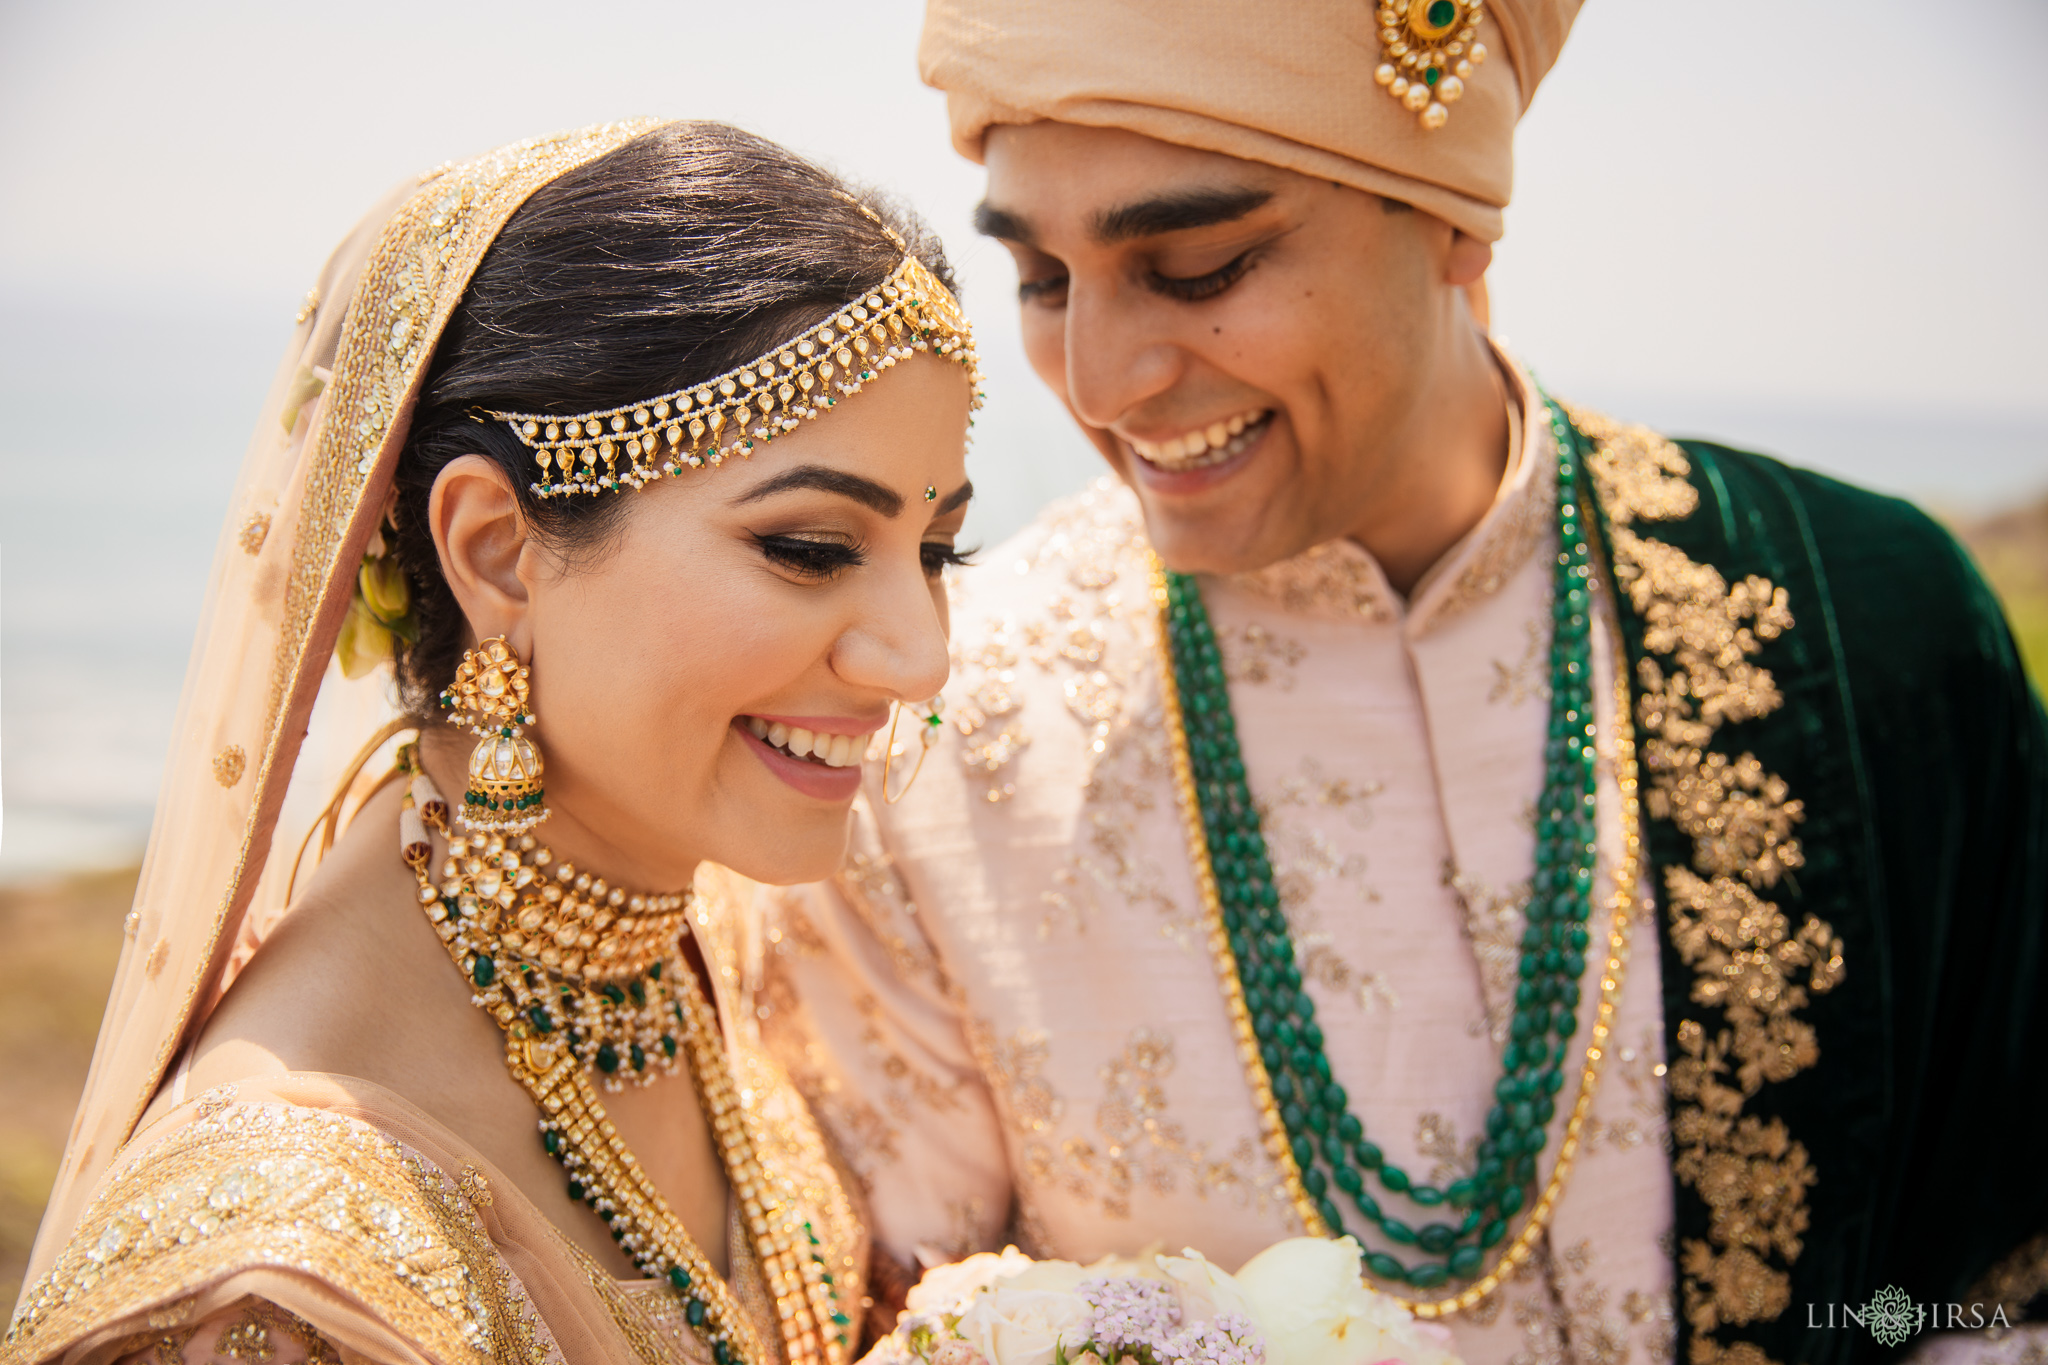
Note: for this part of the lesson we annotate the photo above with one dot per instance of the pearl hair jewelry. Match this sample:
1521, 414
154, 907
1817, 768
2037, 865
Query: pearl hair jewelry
710, 422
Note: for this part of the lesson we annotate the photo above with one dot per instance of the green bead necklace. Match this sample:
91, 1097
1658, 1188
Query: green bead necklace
1334, 1157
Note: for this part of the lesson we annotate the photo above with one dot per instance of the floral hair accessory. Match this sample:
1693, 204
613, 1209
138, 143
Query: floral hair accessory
379, 611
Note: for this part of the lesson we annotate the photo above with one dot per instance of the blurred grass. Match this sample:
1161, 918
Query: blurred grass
63, 939
2012, 549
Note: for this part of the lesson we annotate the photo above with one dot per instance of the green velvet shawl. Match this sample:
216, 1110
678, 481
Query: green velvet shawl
1845, 787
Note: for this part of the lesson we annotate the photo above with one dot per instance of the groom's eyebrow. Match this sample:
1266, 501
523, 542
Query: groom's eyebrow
1175, 211
866, 492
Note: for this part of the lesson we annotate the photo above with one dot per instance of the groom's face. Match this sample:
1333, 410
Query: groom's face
1245, 345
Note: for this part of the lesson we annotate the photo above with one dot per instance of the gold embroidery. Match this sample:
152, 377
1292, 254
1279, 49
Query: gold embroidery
1526, 679
1137, 1145
1525, 524
1494, 923
1437, 1137
248, 1340
1747, 958
1335, 579
1252, 654
276, 1184
1092, 540
1304, 855
2016, 1280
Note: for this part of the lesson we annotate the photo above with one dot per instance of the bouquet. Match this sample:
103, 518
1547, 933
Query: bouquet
1299, 1302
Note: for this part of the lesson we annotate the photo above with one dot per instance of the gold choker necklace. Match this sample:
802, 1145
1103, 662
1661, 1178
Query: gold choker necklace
562, 950
581, 975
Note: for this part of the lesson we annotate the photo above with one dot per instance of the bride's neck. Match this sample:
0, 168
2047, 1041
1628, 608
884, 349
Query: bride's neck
444, 753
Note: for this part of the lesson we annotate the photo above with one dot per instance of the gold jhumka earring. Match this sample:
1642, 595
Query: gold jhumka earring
489, 699
928, 735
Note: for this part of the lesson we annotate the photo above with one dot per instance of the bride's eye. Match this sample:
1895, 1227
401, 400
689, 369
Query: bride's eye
810, 558
938, 556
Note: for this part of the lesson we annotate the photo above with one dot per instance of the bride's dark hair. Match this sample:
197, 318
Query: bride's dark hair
681, 255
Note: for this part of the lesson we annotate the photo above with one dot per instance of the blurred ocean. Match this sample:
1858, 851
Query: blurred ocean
124, 428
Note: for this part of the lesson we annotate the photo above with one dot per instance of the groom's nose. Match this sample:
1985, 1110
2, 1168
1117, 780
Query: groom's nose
1118, 353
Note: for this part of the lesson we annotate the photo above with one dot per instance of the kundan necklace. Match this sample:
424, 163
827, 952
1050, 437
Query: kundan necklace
580, 975
1310, 1131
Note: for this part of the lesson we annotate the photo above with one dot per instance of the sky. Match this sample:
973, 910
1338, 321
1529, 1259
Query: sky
1810, 229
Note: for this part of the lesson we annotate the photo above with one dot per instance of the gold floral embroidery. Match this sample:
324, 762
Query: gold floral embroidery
1508, 539
1640, 1070
271, 1184
1747, 958
1334, 579
1253, 654
1136, 1144
1436, 1137
1525, 679
1305, 855
1091, 540
1494, 922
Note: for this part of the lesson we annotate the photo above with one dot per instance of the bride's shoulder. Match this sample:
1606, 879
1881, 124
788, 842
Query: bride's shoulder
350, 981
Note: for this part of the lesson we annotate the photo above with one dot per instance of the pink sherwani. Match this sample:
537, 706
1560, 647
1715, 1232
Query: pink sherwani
1005, 1009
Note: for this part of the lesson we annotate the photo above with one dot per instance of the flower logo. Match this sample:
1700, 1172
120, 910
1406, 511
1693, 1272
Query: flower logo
1891, 1317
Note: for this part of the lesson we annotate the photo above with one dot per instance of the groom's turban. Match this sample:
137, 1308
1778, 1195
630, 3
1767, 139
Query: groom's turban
1287, 82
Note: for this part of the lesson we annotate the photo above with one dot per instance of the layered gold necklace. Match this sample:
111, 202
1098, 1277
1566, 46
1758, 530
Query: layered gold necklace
583, 976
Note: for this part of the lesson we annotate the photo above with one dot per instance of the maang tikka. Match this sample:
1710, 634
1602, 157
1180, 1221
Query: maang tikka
489, 699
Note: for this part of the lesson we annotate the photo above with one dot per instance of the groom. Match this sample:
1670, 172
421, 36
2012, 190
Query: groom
1606, 876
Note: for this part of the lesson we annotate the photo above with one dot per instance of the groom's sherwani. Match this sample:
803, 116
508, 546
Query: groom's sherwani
1831, 1051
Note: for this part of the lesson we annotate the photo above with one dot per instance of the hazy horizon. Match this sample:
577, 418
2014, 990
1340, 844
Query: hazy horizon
1817, 255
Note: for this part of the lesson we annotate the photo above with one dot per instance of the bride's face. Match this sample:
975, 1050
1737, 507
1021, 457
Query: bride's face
739, 617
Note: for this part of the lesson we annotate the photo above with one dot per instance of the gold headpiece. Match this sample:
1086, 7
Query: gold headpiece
630, 446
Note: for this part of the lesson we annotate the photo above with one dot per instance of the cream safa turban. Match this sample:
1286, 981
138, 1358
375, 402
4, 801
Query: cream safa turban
1286, 82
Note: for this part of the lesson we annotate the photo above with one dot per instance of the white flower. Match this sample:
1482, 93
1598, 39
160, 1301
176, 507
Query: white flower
1314, 1309
1205, 1290
950, 1288
1023, 1319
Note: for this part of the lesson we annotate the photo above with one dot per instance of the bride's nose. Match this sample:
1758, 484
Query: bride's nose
897, 643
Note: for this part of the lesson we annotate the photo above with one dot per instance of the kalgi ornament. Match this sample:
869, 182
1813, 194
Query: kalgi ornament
1428, 50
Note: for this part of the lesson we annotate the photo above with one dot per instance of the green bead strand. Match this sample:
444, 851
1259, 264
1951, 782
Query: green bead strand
1328, 1140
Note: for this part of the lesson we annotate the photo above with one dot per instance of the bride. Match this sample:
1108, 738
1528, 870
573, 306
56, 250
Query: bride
595, 432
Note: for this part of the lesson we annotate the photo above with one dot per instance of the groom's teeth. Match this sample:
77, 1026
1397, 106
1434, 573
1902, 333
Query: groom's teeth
1204, 446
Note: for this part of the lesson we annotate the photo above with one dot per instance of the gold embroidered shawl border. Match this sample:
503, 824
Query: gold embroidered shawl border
1698, 673
276, 1186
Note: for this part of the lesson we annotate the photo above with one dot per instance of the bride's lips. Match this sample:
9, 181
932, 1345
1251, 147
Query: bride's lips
812, 779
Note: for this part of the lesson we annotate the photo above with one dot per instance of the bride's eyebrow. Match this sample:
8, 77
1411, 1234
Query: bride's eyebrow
865, 491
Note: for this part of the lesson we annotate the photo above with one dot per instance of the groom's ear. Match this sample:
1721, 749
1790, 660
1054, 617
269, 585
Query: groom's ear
487, 550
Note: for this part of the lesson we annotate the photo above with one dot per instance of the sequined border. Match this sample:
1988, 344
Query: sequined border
1701, 635
276, 1186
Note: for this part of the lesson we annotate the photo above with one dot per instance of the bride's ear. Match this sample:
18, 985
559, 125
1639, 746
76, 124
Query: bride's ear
482, 539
